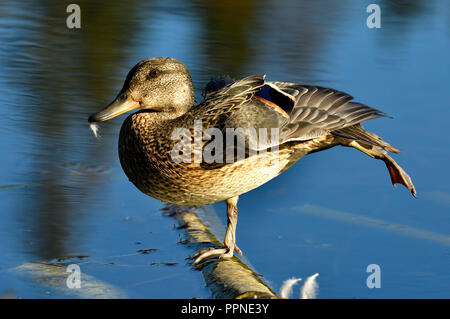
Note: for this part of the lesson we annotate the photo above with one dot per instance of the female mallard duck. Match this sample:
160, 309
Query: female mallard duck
306, 119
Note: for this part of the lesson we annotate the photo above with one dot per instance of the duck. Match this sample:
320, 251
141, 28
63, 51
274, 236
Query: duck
173, 149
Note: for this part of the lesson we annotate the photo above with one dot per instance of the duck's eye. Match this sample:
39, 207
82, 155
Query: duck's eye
153, 73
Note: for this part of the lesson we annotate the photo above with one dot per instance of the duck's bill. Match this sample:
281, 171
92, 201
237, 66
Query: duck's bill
120, 105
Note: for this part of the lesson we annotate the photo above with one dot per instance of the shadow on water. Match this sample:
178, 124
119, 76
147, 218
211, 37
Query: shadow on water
64, 192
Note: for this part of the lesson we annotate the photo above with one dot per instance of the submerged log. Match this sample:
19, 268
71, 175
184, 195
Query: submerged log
55, 276
227, 278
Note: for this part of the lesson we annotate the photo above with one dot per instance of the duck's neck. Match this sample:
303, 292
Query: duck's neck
177, 102
150, 119
183, 98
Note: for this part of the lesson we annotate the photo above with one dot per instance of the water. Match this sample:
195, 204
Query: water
63, 193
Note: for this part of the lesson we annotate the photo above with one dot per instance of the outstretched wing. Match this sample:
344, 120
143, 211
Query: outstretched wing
299, 112
318, 111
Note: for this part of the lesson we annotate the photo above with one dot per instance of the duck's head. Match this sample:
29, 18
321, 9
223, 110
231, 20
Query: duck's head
156, 84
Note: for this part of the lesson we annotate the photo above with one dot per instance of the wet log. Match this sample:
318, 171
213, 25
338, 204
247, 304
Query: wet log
227, 278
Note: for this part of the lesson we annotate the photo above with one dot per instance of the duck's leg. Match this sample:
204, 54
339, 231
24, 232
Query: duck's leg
398, 175
230, 236
232, 216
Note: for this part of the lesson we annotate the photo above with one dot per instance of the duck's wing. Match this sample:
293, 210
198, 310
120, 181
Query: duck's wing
219, 104
247, 104
318, 111
299, 112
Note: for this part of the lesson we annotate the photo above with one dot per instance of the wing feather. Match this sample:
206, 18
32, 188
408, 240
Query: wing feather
318, 111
